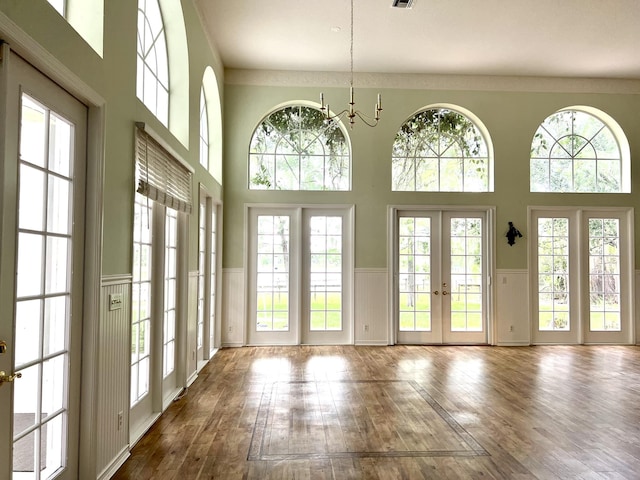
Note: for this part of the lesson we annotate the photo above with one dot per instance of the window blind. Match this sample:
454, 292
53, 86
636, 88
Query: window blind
161, 177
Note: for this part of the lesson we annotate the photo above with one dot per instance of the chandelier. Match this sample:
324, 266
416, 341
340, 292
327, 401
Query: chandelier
351, 112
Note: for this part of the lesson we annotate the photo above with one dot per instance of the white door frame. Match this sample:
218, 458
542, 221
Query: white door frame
17, 40
578, 270
296, 213
392, 233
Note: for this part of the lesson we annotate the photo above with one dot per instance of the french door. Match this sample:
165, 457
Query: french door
300, 275
581, 275
41, 281
440, 265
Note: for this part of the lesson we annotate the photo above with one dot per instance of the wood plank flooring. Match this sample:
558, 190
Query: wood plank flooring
402, 412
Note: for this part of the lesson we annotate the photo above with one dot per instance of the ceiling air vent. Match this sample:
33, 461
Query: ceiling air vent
402, 3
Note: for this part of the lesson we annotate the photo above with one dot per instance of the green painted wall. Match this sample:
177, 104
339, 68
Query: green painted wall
114, 78
510, 117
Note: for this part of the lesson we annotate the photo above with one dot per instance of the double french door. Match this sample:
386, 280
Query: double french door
581, 275
300, 275
41, 273
440, 264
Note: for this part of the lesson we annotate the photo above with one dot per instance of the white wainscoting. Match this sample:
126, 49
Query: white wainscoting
114, 358
192, 327
371, 310
512, 325
637, 307
233, 307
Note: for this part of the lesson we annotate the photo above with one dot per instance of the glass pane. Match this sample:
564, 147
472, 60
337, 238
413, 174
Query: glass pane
28, 318
60, 146
31, 198
24, 453
25, 399
52, 441
30, 268
54, 372
32, 132
59, 206
56, 321
57, 265
604, 274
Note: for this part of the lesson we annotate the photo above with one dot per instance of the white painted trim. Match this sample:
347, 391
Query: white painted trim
232, 345
117, 462
370, 270
116, 279
233, 270
192, 378
49, 65
144, 428
432, 82
373, 343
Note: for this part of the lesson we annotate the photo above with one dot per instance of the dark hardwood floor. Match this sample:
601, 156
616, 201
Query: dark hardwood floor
403, 412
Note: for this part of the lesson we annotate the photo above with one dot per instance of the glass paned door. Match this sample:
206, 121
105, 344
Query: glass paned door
43, 286
300, 281
326, 263
169, 316
273, 282
582, 271
464, 270
440, 272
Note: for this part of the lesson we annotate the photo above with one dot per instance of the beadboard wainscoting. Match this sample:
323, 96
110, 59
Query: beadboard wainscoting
114, 356
233, 307
637, 306
192, 328
371, 306
512, 325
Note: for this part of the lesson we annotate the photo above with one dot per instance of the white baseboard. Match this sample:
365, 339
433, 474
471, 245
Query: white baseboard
117, 462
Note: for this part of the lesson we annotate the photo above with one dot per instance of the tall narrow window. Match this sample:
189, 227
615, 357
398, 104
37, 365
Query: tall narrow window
604, 274
296, 149
141, 299
202, 251
170, 290
553, 274
576, 151
152, 85
273, 273
204, 131
325, 247
441, 150
213, 283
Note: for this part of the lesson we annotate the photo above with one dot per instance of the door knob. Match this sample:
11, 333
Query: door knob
436, 292
3, 347
444, 292
8, 378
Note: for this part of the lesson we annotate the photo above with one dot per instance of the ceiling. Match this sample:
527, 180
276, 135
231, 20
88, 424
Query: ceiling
557, 38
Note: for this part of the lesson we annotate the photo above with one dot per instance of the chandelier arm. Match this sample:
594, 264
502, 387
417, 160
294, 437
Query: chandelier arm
366, 119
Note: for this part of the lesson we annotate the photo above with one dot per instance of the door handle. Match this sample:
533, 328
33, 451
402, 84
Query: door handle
8, 378
444, 292
436, 292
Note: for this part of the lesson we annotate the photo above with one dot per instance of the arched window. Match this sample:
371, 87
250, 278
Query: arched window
579, 150
60, 6
153, 68
211, 125
295, 148
442, 150
204, 131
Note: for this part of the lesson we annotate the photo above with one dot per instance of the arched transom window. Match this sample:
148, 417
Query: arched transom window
441, 150
152, 86
295, 148
204, 131
576, 151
